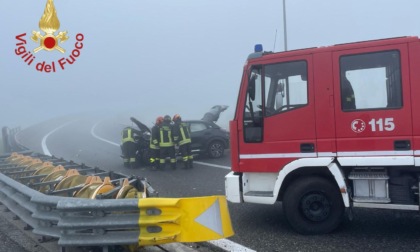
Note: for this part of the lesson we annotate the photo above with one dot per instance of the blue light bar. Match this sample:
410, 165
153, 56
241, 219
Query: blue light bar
258, 48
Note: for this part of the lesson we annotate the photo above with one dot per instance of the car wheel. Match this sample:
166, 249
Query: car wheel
313, 205
216, 149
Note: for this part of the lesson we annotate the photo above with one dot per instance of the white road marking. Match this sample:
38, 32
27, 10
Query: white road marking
228, 245
44, 139
213, 165
92, 132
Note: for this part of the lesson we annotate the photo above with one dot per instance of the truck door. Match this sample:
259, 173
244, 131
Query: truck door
278, 117
373, 106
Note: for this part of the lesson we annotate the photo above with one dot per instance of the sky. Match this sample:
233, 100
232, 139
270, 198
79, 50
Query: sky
150, 58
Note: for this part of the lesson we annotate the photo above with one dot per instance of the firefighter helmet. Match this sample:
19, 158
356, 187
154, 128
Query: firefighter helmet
176, 117
159, 120
167, 118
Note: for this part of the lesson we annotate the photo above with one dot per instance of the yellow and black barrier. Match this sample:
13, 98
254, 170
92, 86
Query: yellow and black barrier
164, 220
143, 222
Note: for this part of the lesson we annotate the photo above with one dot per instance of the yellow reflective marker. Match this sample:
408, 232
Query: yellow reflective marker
165, 220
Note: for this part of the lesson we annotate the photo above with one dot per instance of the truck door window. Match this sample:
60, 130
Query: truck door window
253, 120
286, 86
371, 81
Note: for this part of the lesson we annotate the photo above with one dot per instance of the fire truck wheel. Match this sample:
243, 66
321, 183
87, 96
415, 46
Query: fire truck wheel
313, 205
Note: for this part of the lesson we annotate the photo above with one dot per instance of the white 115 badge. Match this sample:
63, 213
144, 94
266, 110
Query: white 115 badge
381, 124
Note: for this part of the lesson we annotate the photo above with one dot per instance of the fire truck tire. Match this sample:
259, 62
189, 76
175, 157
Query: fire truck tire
313, 205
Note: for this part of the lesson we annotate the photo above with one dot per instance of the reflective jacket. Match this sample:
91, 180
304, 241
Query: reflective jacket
154, 140
182, 133
165, 136
127, 135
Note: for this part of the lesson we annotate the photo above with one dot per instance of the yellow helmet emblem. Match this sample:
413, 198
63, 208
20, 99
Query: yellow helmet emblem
49, 24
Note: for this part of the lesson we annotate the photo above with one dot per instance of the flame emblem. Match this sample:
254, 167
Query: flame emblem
49, 24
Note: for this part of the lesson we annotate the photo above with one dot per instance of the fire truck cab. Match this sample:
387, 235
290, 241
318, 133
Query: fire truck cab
327, 129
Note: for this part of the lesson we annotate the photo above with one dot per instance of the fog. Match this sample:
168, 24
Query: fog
149, 58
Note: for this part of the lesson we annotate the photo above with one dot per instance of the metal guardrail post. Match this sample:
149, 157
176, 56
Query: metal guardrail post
5, 137
16, 197
47, 215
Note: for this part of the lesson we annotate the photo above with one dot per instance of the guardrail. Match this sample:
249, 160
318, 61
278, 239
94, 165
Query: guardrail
85, 206
75, 222
47, 215
9, 142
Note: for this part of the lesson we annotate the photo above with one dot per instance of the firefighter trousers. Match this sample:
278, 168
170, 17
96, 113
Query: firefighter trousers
129, 153
187, 158
167, 152
154, 157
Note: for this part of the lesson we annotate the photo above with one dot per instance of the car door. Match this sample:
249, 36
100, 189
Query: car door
199, 135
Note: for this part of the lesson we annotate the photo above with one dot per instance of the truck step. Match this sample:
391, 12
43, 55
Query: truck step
370, 185
362, 199
387, 206
368, 174
260, 193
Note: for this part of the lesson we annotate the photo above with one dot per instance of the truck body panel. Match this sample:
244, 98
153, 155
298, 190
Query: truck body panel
335, 126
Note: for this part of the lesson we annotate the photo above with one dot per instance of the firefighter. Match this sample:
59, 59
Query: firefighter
166, 143
182, 138
154, 143
348, 100
128, 146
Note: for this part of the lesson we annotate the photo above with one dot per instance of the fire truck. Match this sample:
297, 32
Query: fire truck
325, 130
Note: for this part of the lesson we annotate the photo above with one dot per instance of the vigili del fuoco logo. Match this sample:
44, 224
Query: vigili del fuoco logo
48, 41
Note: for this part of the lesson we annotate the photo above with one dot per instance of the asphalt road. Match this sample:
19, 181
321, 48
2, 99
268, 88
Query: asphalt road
94, 141
12, 236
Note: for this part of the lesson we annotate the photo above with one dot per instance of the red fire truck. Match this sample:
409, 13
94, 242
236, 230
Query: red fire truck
328, 129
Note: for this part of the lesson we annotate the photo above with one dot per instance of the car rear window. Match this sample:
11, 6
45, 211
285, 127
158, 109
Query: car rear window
194, 127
